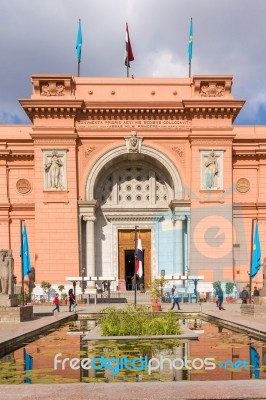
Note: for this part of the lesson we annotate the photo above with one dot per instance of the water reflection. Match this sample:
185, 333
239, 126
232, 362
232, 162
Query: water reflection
227, 348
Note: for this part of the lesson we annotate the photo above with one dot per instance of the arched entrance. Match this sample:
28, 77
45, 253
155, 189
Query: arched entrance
124, 191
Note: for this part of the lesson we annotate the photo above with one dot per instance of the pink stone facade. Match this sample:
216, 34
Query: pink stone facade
90, 121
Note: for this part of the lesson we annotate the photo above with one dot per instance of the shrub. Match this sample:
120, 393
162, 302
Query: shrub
134, 321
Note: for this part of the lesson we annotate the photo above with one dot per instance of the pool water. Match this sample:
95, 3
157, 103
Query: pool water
219, 354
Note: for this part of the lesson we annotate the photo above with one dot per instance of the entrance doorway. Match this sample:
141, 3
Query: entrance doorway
126, 256
130, 268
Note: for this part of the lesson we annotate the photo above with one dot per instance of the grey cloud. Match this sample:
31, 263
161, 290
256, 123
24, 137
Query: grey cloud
39, 37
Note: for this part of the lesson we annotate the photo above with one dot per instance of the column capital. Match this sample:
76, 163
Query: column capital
87, 207
89, 218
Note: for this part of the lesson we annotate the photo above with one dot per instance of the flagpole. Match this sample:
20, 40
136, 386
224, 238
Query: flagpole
127, 67
251, 256
79, 45
22, 266
190, 44
135, 273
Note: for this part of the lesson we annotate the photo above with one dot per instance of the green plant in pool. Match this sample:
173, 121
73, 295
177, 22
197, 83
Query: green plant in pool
133, 321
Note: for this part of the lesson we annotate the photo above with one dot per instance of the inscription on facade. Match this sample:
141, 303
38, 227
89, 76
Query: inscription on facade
134, 124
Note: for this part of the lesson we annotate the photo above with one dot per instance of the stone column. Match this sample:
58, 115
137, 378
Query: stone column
178, 245
90, 247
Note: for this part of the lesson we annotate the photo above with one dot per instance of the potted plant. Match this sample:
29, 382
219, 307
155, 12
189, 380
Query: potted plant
46, 288
63, 296
229, 288
156, 292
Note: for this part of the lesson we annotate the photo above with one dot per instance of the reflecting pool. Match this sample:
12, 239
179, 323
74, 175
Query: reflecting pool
62, 356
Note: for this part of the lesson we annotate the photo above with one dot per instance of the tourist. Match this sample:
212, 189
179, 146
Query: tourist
244, 296
175, 298
256, 292
133, 281
72, 300
220, 297
56, 303
216, 295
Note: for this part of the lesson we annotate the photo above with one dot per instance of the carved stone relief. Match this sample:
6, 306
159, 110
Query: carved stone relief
88, 150
179, 150
133, 143
212, 90
52, 89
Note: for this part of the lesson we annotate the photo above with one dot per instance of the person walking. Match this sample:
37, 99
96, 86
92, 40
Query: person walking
174, 295
244, 296
56, 303
220, 297
216, 295
72, 300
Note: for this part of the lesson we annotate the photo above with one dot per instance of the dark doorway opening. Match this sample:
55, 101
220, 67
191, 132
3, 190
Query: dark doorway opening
129, 267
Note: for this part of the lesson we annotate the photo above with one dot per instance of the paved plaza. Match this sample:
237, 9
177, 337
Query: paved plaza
255, 389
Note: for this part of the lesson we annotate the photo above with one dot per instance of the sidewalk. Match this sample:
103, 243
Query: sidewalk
11, 332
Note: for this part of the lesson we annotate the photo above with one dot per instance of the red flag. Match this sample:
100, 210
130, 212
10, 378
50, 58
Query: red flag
128, 54
139, 259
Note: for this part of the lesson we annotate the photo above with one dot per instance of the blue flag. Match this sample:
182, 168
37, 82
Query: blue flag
28, 364
25, 253
190, 41
79, 42
256, 253
254, 362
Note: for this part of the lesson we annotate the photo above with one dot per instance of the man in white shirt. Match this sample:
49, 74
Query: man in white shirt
174, 295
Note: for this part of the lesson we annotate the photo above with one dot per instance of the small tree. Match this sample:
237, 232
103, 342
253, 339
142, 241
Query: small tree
216, 284
46, 288
229, 288
61, 288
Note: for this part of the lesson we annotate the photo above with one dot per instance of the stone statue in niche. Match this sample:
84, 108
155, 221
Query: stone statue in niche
211, 171
54, 170
7, 278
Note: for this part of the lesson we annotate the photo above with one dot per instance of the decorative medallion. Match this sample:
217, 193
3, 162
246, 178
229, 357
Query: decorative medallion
23, 186
242, 185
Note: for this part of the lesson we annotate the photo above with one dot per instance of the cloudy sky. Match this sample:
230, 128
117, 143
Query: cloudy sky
39, 37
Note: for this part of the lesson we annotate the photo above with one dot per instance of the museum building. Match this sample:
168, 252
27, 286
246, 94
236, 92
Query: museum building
105, 157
